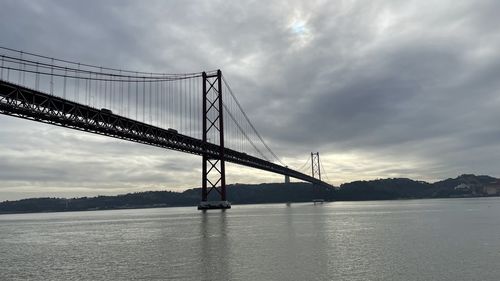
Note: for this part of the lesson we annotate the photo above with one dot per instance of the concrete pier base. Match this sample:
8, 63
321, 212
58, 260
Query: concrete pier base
209, 205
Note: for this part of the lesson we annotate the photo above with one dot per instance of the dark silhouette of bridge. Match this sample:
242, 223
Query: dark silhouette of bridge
195, 113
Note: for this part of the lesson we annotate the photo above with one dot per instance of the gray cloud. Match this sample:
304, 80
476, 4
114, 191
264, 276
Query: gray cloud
384, 88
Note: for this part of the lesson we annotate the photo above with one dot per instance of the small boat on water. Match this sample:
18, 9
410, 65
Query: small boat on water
318, 201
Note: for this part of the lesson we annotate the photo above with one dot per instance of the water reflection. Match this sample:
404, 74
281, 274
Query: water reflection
304, 246
214, 246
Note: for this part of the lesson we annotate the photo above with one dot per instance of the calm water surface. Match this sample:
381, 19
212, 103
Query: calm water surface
451, 239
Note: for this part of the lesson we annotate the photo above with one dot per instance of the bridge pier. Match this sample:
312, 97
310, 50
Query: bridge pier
213, 169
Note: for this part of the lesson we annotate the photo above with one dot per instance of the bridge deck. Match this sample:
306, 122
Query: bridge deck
22, 102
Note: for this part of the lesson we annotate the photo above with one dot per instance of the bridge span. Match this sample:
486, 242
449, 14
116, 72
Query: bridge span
94, 112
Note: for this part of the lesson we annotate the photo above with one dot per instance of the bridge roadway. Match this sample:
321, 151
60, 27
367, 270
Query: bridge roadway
22, 102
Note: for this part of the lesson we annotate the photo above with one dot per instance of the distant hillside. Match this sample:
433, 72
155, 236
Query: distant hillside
130, 200
446, 188
402, 188
382, 189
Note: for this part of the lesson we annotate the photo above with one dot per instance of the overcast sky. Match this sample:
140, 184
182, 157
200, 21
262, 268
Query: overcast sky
379, 88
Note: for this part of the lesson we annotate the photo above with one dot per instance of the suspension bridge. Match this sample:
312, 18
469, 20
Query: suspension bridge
196, 113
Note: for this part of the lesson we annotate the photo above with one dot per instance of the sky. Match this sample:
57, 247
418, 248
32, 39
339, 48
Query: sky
380, 88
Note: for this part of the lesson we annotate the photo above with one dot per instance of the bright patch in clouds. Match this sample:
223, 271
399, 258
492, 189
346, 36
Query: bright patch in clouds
298, 27
301, 34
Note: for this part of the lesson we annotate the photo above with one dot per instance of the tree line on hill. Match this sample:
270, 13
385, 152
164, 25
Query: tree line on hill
382, 189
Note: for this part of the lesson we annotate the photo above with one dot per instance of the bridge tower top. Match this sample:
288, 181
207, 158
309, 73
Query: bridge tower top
315, 165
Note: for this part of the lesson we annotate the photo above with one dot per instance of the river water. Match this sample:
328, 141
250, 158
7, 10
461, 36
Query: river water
449, 239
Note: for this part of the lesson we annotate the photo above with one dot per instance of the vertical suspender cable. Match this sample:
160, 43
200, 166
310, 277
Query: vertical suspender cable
112, 99
87, 79
52, 77
101, 92
106, 93
8, 74
64, 86
37, 77
162, 102
137, 98
77, 92
158, 103
1, 69
87, 88
120, 95
150, 104
183, 104
19, 68
89, 93
144, 99
178, 105
128, 98
98, 93
24, 73
191, 107
155, 102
